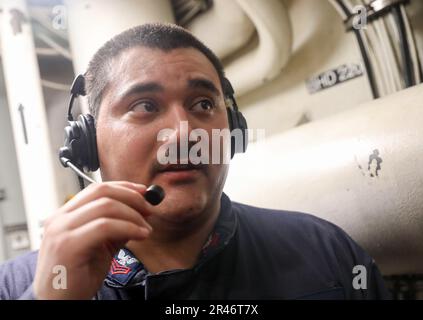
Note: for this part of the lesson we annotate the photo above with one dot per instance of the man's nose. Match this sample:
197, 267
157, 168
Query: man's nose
179, 122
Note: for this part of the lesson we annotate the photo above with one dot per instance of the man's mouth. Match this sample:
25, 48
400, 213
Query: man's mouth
178, 172
181, 167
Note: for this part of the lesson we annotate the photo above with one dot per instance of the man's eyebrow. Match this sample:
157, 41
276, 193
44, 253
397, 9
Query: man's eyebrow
141, 88
203, 84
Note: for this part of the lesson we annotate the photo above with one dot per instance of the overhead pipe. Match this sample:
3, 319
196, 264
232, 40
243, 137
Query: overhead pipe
232, 28
266, 61
361, 169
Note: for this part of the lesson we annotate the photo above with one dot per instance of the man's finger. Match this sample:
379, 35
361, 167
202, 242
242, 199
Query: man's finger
102, 208
126, 192
106, 231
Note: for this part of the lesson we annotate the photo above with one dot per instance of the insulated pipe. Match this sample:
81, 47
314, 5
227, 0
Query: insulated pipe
361, 169
232, 28
266, 61
28, 116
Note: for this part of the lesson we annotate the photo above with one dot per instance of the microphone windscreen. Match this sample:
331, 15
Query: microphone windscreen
154, 195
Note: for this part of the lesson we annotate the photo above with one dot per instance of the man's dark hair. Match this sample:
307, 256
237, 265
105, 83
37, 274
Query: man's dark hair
161, 36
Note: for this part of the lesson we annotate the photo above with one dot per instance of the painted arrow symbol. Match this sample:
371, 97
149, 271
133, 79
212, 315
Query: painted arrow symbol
21, 111
17, 20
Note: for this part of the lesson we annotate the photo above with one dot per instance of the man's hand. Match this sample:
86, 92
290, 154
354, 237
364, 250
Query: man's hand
85, 234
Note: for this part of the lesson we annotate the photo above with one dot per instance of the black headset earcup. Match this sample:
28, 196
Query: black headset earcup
80, 145
242, 122
237, 121
70, 150
88, 146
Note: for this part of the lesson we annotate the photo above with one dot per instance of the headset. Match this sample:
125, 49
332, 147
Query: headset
80, 147
236, 119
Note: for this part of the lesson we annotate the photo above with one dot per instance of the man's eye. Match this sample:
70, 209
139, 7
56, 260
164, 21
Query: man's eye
203, 105
144, 106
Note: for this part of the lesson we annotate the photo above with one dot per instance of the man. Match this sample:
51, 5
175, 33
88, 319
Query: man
196, 244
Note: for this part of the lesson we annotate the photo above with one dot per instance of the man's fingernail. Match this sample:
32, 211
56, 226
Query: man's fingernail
139, 186
149, 227
145, 232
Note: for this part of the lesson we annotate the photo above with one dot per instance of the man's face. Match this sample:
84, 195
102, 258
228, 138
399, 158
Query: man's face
151, 90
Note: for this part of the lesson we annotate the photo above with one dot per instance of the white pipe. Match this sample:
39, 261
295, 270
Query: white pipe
394, 34
232, 28
54, 45
323, 168
47, 52
377, 64
412, 45
55, 85
387, 55
28, 116
265, 62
